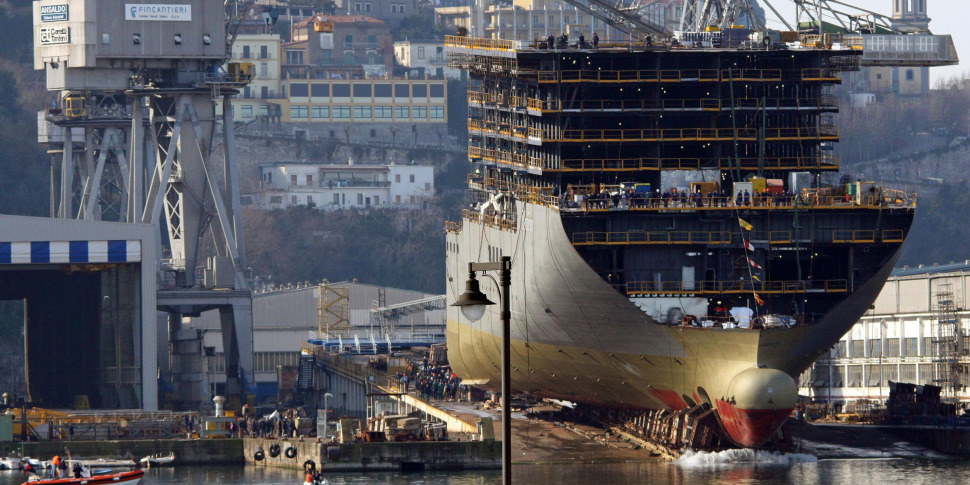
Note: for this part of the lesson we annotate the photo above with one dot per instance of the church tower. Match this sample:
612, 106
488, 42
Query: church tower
910, 15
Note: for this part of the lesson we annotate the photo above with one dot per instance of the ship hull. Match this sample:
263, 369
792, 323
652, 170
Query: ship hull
575, 337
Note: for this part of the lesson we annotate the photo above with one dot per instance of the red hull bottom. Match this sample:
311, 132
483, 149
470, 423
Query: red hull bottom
750, 427
130, 478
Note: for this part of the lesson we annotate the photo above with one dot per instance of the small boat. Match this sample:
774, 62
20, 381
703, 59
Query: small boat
10, 463
158, 460
131, 478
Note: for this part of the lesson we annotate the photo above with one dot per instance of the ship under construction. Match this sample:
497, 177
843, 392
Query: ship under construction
680, 236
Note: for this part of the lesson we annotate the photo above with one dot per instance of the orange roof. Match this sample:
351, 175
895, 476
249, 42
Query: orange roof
341, 19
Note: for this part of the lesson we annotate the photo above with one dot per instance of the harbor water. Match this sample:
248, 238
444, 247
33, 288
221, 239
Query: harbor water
733, 469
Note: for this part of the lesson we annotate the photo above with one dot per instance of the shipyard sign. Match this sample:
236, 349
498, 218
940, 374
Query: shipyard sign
55, 35
158, 11
54, 13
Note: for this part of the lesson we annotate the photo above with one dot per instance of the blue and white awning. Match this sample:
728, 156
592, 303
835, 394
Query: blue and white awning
47, 252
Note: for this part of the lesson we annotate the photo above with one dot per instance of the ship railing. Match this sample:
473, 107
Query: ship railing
479, 43
651, 75
893, 235
826, 161
590, 199
853, 236
729, 287
544, 105
651, 237
453, 227
490, 220
823, 74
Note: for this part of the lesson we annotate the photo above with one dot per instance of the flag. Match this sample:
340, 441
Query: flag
745, 224
759, 300
747, 245
753, 264
755, 277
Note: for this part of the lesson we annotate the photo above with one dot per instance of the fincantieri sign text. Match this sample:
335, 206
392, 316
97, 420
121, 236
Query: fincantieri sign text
158, 11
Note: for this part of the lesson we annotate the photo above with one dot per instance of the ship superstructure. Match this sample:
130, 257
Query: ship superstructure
679, 234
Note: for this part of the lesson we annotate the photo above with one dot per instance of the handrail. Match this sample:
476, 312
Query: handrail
651, 237
731, 286
479, 43
822, 161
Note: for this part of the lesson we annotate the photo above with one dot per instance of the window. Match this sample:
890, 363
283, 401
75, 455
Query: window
360, 199
349, 40
263, 69
402, 91
276, 199
299, 90
357, 6
393, 8
245, 54
412, 199
382, 112
294, 56
402, 112
302, 112
320, 90
420, 112
382, 90
927, 374
437, 90
264, 110
341, 112
875, 348
349, 57
371, 57
400, 9
336, 199
264, 52
911, 349
411, 178
373, 133
892, 347
362, 90
293, 180
419, 91
421, 52
838, 376
362, 113
377, 200
309, 201
397, 199
907, 373
909, 75
320, 112
372, 40
309, 179
838, 351
427, 186
367, 7
341, 90
873, 375
857, 348
436, 112
246, 111
397, 178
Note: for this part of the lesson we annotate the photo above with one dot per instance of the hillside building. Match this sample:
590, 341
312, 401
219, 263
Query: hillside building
332, 187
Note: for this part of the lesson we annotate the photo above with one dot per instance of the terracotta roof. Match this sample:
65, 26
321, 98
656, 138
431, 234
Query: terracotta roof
341, 19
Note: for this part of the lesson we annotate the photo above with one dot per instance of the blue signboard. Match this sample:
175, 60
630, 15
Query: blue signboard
54, 13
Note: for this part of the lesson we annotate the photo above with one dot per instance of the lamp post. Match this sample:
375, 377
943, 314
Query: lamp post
326, 414
472, 304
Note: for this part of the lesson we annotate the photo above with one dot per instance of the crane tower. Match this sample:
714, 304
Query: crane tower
133, 135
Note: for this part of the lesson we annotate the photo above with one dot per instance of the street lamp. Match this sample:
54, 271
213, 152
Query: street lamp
326, 413
472, 304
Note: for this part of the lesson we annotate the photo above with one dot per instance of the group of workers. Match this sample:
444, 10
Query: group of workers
56, 468
632, 199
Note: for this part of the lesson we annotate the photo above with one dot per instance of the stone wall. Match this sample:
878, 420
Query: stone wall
364, 456
187, 452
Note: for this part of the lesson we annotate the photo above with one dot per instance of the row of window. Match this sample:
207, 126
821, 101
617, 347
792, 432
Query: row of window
367, 90
339, 199
871, 375
368, 7
367, 112
874, 347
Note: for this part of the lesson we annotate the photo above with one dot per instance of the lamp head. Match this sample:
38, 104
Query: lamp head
472, 302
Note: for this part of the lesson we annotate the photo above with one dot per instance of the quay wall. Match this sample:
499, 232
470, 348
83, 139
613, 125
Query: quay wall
187, 452
370, 456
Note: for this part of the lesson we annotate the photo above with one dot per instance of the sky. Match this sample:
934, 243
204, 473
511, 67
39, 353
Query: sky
947, 17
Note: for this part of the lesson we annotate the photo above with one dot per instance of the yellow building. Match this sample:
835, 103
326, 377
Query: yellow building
261, 97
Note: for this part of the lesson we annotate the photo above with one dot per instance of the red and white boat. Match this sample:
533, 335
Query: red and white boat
131, 478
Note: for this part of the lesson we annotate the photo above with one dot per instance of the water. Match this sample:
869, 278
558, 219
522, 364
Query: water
730, 468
